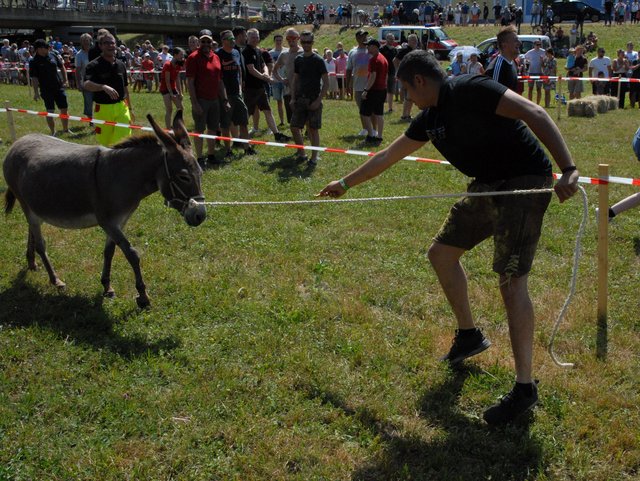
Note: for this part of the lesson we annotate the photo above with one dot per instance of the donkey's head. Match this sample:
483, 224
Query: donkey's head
180, 182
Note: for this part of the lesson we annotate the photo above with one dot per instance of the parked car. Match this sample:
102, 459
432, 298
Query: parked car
434, 38
489, 46
568, 10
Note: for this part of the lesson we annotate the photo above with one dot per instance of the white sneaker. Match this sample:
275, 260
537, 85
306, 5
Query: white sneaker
252, 132
269, 132
375, 133
363, 133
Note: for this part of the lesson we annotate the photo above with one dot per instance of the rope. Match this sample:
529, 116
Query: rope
576, 252
574, 276
371, 199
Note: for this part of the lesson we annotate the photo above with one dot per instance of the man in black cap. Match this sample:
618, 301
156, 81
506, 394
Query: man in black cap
375, 92
43, 70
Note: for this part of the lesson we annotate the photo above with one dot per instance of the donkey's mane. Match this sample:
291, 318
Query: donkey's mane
136, 141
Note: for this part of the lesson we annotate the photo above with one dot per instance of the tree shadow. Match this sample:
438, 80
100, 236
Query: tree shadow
461, 448
80, 319
288, 168
636, 245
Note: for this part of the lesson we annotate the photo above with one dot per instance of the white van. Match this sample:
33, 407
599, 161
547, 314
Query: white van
434, 38
490, 46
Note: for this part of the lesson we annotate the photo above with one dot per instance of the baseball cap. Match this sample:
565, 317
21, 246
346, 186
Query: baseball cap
361, 32
373, 41
206, 33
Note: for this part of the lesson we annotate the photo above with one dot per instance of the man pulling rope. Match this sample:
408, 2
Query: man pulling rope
474, 122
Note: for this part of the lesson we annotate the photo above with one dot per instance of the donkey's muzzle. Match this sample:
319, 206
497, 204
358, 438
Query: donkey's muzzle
196, 212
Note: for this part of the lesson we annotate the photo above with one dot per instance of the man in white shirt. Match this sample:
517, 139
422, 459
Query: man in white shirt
600, 65
534, 58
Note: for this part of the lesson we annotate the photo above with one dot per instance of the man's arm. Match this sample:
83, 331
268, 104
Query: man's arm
251, 68
276, 68
381, 161
514, 106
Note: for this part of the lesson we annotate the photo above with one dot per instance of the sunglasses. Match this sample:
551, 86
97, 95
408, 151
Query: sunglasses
231, 39
292, 38
206, 41
306, 42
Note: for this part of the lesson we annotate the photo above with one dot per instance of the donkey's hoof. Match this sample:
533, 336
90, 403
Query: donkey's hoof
59, 284
109, 293
143, 302
33, 267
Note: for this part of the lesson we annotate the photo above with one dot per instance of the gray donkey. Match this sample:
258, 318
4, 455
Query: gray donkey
78, 186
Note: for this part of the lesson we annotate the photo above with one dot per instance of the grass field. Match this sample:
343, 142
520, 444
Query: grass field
301, 342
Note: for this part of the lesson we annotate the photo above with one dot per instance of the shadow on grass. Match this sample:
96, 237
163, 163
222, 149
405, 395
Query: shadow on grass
288, 168
76, 318
636, 245
461, 449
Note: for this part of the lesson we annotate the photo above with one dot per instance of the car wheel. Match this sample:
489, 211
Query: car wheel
556, 19
595, 18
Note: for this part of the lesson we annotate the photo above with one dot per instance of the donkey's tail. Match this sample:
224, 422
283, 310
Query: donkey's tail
9, 201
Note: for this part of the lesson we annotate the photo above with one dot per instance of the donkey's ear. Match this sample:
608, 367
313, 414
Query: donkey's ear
164, 137
180, 130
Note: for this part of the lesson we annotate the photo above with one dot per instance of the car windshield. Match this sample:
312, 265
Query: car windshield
439, 34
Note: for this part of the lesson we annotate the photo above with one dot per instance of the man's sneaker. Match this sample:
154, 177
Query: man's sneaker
253, 132
465, 345
515, 403
250, 151
363, 132
280, 137
202, 162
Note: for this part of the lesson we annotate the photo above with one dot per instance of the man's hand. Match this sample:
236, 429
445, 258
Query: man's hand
333, 189
567, 185
364, 95
111, 92
315, 105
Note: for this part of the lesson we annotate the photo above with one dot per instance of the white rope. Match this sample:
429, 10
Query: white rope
574, 276
370, 199
576, 253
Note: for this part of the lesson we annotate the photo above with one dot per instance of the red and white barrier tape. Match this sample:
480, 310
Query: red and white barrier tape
590, 79
583, 180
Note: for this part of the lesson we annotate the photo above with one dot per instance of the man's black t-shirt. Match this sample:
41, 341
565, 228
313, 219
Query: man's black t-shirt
112, 74
310, 70
389, 52
45, 69
253, 57
464, 127
504, 72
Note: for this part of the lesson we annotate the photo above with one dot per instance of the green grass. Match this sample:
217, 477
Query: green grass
300, 343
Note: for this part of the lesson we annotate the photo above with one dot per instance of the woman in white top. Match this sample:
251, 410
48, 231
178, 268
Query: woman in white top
473, 66
330, 63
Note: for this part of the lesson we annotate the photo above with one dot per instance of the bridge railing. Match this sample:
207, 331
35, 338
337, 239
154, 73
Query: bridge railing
188, 8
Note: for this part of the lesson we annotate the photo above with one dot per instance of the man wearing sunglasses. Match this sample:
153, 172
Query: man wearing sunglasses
283, 69
309, 86
207, 93
237, 117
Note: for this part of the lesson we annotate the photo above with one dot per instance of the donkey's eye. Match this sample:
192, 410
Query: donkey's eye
184, 177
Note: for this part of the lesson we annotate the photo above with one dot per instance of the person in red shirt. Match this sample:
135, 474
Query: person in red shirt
207, 92
375, 93
147, 65
170, 89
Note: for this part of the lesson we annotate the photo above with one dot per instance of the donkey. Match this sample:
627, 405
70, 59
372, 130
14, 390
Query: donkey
78, 186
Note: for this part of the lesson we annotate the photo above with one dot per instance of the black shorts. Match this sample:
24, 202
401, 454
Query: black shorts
302, 115
51, 99
374, 103
256, 97
391, 84
237, 114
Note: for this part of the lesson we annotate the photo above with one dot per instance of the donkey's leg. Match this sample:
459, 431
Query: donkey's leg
109, 250
31, 252
134, 260
40, 248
